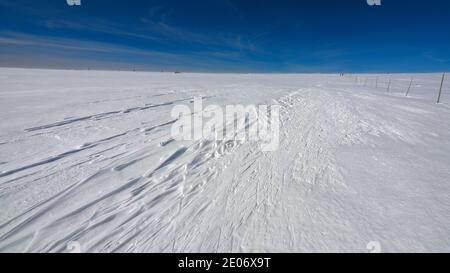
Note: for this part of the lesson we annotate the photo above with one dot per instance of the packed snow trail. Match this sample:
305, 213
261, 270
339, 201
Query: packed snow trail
88, 157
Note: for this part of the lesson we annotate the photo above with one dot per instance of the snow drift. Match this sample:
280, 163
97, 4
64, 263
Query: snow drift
87, 157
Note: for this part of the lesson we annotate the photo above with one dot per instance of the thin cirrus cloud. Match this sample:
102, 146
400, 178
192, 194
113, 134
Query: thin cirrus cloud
152, 39
170, 41
22, 39
154, 36
160, 31
227, 35
25, 43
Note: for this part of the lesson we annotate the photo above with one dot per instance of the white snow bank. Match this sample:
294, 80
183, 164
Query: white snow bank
87, 157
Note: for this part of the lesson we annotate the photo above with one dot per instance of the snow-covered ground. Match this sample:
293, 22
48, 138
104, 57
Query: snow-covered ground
87, 158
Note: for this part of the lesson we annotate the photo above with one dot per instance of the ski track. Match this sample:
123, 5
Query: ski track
140, 190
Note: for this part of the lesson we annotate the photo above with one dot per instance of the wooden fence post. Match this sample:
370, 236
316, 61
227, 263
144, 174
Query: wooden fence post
389, 84
409, 87
440, 89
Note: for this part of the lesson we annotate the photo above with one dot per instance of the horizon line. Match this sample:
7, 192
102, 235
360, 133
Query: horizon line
212, 72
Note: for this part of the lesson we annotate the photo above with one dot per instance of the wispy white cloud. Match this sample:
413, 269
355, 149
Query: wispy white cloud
22, 39
210, 41
23, 43
154, 37
429, 55
156, 27
96, 25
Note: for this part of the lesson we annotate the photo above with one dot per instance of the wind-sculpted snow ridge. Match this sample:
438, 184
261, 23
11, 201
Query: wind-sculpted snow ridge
94, 163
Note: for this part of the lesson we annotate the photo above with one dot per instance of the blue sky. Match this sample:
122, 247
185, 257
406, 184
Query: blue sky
227, 35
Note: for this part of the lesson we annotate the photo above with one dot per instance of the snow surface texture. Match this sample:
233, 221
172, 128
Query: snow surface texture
87, 157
